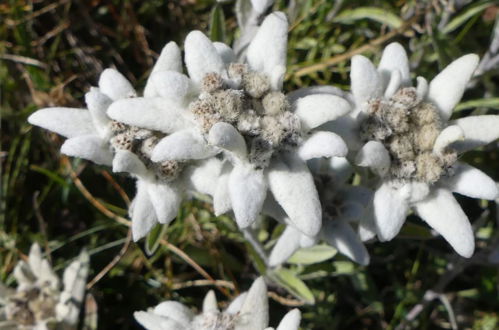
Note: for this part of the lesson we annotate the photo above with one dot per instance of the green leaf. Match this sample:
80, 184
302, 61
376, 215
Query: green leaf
349, 16
153, 238
312, 255
492, 103
217, 24
415, 231
288, 279
466, 15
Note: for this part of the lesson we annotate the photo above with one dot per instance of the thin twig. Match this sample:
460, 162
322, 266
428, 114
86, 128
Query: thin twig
113, 262
285, 301
42, 224
196, 283
306, 70
194, 265
23, 60
116, 186
98, 205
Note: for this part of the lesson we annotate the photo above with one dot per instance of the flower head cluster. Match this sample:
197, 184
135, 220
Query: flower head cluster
249, 311
410, 143
39, 302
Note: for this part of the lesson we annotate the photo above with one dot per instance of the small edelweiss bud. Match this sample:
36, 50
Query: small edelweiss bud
229, 104
117, 127
428, 167
407, 97
271, 130
375, 106
236, 73
211, 82
122, 141
397, 118
275, 103
400, 147
373, 129
205, 112
169, 169
249, 123
403, 170
425, 136
256, 84
424, 114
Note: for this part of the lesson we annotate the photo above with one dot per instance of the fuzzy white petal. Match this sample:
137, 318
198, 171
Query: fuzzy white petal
204, 176
201, 57
151, 321
236, 304
175, 311
347, 128
97, 104
472, 182
171, 85
89, 147
35, 257
394, 58
268, 48
165, 199
254, 313
287, 244
221, 199
315, 110
210, 303
247, 189
142, 212
393, 84
306, 91
68, 122
170, 59
323, 144
261, 5
422, 87
182, 145
156, 114
340, 235
225, 52
365, 80
448, 135
366, 226
127, 161
390, 211
478, 131
374, 154
447, 88
442, 212
290, 321
115, 85
293, 188
225, 136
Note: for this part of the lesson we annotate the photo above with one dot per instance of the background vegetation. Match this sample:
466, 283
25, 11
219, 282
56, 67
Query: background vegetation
51, 52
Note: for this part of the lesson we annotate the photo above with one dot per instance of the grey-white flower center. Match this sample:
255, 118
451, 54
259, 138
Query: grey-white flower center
27, 307
246, 101
214, 321
408, 128
141, 142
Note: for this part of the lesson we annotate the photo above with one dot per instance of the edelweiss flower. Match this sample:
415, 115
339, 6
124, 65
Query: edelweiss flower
238, 107
249, 311
38, 302
342, 204
411, 144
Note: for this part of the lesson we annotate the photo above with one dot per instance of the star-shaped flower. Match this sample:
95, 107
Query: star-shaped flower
39, 302
237, 106
249, 311
413, 146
